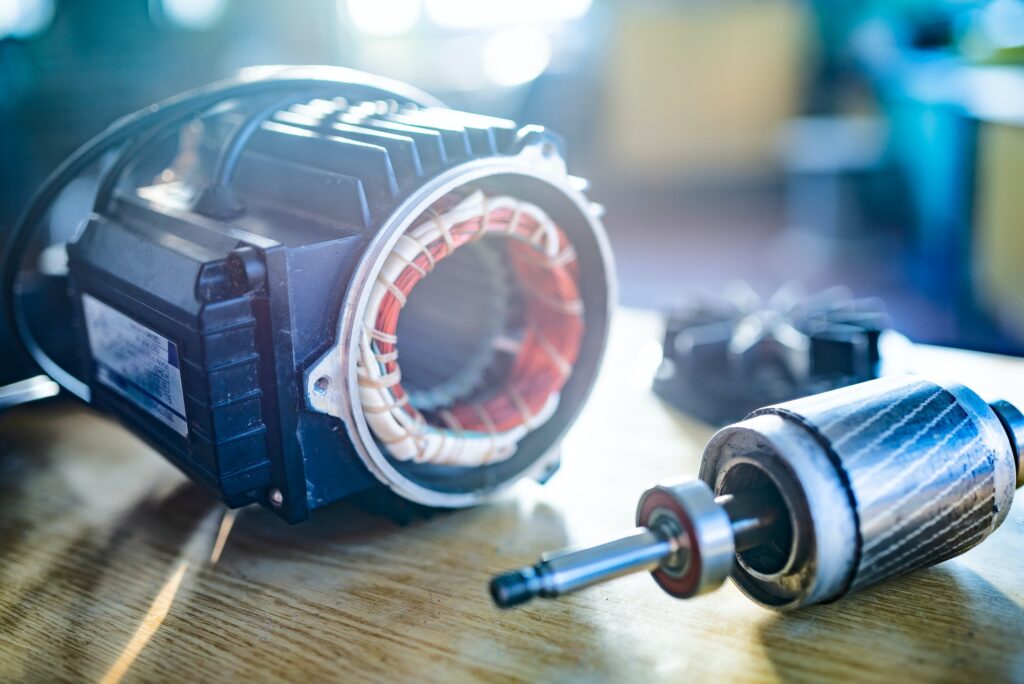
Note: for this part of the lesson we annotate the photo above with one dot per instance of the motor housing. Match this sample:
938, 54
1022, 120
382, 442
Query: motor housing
219, 322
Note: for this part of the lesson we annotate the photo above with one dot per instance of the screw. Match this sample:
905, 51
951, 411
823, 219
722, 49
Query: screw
276, 498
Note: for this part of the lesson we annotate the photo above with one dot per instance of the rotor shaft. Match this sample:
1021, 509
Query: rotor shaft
644, 549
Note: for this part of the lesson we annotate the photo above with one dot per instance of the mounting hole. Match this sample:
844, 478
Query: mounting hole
547, 149
321, 385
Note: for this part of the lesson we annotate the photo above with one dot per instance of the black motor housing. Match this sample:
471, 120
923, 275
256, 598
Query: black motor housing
199, 315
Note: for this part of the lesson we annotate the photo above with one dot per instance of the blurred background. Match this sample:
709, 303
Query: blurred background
873, 144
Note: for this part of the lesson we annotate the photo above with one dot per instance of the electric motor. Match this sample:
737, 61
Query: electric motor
306, 283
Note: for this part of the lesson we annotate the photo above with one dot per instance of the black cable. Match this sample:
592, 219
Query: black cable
218, 200
249, 83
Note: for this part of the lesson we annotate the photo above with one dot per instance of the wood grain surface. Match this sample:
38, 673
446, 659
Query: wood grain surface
114, 568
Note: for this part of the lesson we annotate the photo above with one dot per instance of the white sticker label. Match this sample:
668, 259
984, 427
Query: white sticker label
137, 363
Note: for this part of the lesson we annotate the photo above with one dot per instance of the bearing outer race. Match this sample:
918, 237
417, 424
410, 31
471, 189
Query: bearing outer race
689, 583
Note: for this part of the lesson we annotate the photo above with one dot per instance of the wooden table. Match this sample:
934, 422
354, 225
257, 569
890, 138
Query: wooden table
113, 567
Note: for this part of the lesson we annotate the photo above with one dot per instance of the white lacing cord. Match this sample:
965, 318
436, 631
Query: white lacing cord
404, 433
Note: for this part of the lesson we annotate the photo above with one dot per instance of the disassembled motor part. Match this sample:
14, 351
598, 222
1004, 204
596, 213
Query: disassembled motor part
261, 250
807, 501
725, 357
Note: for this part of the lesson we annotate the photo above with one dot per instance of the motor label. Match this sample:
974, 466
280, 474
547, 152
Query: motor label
136, 362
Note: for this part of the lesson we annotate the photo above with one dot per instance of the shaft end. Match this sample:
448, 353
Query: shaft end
514, 588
